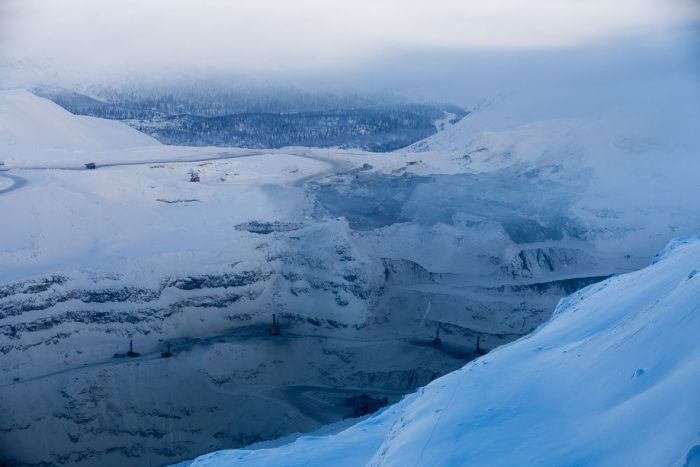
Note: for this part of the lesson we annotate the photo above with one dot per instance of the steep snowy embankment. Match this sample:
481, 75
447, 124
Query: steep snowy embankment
611, 379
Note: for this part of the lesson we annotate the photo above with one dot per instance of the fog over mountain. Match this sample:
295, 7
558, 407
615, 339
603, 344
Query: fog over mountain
449, 51
389, 232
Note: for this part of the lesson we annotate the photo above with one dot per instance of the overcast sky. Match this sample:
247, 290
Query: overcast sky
89, 39
257, 35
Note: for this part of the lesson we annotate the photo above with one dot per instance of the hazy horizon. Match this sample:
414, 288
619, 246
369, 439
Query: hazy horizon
418, 49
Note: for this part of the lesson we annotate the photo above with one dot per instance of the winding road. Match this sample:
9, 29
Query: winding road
172, 160
335, 166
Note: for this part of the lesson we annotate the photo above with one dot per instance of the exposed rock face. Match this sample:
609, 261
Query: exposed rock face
541, 262
64, 340
361, 280
268, 227
51, 304
358, 279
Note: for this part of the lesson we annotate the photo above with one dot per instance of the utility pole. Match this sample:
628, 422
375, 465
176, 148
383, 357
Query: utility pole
167, 353
274, 329
131, 352
479, 350
437, 341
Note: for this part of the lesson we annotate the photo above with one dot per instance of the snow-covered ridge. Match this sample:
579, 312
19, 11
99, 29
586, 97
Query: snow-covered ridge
29, 123
611, 379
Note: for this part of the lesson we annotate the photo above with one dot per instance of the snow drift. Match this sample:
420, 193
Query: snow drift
611, 379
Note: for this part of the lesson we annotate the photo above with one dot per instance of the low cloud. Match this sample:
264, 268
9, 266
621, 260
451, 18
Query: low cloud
122, 37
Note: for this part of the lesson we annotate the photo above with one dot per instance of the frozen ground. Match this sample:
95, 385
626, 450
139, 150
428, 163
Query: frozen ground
361, 255
611, 379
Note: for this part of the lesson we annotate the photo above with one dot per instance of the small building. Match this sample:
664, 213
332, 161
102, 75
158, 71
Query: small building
194, 176
90, 166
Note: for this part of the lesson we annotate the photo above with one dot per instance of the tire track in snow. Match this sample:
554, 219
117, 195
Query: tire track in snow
17, 182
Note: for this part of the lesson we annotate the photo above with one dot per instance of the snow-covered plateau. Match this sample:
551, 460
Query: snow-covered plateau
476, 233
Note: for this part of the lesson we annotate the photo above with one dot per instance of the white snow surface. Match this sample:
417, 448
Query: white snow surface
469, 229
31, 125
610, 380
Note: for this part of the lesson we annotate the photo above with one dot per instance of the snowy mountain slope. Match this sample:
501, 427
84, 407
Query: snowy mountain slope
334, 242
30, 124
611, 379
624, 177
